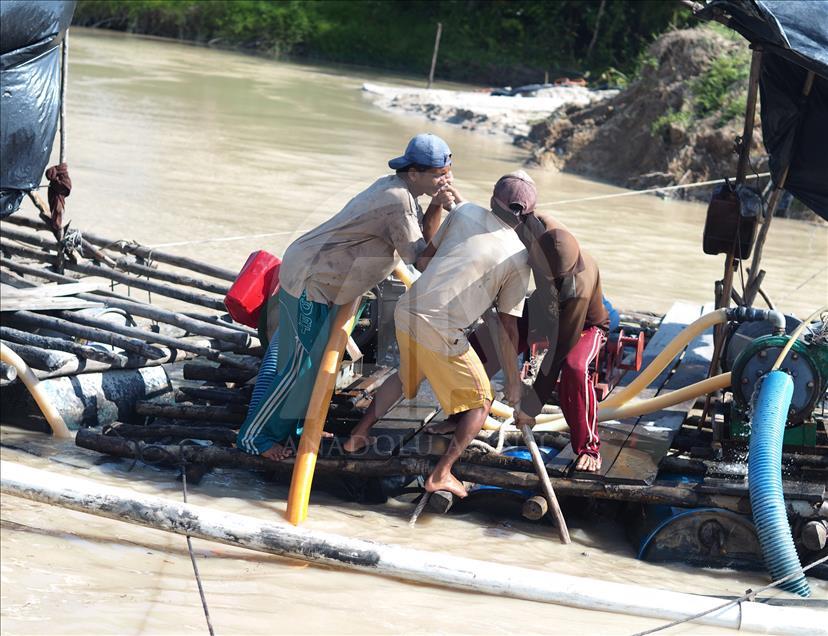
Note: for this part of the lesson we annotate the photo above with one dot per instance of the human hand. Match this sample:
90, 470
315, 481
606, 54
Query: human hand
444, 197
455, 193
522, 419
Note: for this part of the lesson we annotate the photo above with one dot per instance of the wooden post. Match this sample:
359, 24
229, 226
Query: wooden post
543, 476
434, 55
752, 287
723, 299
64, 73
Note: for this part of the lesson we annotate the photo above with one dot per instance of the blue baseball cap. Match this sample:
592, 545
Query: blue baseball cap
425, 150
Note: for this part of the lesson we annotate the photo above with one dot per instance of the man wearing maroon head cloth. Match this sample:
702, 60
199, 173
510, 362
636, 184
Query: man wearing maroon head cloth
567, 309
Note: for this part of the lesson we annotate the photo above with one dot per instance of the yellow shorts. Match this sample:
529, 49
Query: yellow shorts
460, 382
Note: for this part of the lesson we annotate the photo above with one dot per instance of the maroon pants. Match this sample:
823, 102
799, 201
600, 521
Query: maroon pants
577, 393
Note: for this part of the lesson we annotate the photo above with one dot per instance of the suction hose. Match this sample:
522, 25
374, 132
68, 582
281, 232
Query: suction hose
770, 410
28, 377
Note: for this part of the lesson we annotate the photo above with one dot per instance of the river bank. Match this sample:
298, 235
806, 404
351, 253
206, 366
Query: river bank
482, 111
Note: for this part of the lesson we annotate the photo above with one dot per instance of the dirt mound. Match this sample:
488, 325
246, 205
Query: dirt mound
676, 124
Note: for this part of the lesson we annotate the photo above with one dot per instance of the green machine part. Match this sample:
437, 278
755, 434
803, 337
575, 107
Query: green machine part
808, 366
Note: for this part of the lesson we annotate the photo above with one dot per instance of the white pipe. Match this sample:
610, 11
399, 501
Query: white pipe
396, 561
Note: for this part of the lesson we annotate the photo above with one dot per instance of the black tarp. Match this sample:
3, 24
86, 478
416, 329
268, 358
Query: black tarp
31, 32
794, 39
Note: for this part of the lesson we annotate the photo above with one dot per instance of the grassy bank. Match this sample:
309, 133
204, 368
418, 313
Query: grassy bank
484, 41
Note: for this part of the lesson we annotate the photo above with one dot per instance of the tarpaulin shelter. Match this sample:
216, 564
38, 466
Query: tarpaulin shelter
794, 40
31, 32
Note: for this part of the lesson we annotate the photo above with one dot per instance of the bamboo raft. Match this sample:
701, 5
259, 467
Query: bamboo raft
214, 360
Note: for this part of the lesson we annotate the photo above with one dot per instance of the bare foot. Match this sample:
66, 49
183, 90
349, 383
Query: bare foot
587, 463
449, 482
278, 452
357, 442
442, 428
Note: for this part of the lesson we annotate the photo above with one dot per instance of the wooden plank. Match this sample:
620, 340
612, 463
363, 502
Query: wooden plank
649, 441
613, 435
66, 289
43, 303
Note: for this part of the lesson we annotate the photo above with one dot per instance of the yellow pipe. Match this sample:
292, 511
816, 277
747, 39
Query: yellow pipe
641, 407
665, 357
793, 337
320, 401
59, 428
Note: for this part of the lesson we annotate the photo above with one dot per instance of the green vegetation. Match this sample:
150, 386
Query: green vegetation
722, 88
721, 91
486, 41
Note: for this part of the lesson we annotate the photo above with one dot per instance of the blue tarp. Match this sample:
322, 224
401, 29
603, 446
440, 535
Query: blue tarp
794, 38
31, 32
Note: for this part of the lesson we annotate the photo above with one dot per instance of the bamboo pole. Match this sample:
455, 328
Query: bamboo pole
543, 476
149, 336
207, 328
32, 319
126, 247
395, 561
62, 344
119, 277
318, 405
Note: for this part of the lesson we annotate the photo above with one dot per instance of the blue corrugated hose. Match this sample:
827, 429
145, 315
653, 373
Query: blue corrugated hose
770, 410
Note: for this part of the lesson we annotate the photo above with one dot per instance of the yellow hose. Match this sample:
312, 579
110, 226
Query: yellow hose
793, 337
320, 401
59, 428
665, 357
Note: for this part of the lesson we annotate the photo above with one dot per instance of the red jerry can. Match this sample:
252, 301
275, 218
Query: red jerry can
257, 280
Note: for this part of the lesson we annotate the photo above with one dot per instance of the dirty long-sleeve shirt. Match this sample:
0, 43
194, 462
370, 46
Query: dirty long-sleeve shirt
561, 308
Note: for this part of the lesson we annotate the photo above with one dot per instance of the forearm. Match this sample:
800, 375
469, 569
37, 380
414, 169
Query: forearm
431, 221
507, 350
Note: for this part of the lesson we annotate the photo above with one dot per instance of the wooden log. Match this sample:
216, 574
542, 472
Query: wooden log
534, 508
105, 272
217, 320
171, 277
201, 371
126, 247
162, 431
149, 336
229, 413
682, 495
401, 563
226, 332
61, 344
212, 394
38, 358
31, 319
78, 365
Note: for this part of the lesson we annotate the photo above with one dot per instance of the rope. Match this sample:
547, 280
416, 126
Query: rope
190, 544
750, 595
139, 448
650, 191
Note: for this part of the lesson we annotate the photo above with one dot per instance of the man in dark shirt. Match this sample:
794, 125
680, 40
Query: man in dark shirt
567, 310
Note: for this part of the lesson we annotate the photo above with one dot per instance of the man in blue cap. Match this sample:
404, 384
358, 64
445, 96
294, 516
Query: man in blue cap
332, 265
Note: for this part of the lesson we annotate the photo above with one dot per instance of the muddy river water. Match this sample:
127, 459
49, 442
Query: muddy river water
213, 155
